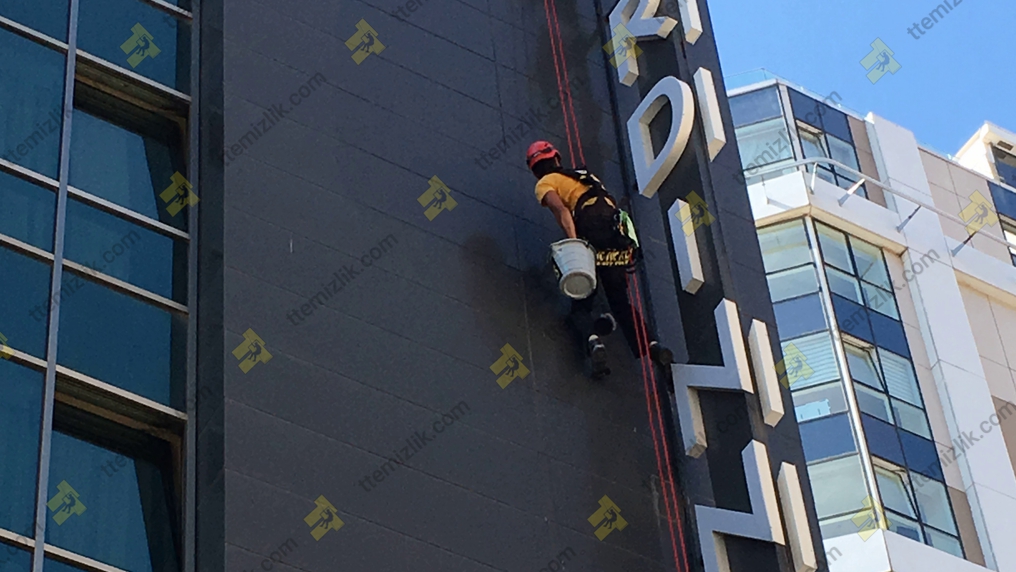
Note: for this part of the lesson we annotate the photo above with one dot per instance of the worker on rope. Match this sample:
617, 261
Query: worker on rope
584, 209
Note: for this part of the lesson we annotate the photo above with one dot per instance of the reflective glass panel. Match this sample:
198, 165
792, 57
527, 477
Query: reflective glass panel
812, 144
47, 16
911, 418
888, 333
763, 143
15, 559
838, 486
755, 106
944, 542
124, 166
863, 366
138, 37
819, 361
933, 501
20, 419
28, 212
834, 123
842, 151
853, 318
880, 300
900, 378
792, 283
883, 439
111, 515
827, 437
873, 403
800, 316
921, 455
904, 526
816, 402
125, 250
784, 246
57, 566
843, 284
895, 489
24, 312
31, 101
141, 348
870, 265
838, 526
834, 248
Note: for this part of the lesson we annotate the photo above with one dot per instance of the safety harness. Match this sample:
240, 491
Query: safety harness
598, 220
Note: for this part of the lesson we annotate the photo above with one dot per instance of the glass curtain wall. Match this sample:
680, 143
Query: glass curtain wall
853, 382
93, 179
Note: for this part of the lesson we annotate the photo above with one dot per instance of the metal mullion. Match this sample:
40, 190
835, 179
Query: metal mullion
120, 393
853, 409
167, 7
46, 440
77, 560
29, 176
26, 249
134, 77
15, 539
125, 213
33, 35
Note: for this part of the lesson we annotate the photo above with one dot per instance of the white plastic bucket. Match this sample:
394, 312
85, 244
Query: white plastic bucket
576, 261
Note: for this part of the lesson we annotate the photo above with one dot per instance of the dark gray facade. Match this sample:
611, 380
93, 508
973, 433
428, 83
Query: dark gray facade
393, 345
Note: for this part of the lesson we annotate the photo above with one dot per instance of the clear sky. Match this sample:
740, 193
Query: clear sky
956, 76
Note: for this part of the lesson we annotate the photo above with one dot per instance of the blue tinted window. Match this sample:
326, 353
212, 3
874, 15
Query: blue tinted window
57, 566
20, 417
889, 334
141, 346
805, 108
108, 512
123, 166
47, 16
800, 316
1004, 199
883, 440
112, 29
31, 100
755, 106
124, 250
28, 211
24, 282
835, 122
827, 437
852, 318
921, 455
15, 560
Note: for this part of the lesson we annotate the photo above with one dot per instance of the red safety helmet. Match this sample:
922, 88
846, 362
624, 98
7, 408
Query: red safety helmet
539, 151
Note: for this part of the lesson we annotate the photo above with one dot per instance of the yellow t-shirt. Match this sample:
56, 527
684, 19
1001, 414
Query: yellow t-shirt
566, 187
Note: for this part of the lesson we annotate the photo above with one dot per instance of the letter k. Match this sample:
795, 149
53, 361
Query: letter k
281, 111
423, 438
970, 437
350, 271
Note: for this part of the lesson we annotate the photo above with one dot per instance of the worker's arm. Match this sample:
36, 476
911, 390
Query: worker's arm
564, 218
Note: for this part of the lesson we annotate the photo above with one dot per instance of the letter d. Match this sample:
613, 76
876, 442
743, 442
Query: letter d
650, 173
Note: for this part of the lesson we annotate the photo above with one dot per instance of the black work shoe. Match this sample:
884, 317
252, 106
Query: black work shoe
660, 354
598, 356
604, 325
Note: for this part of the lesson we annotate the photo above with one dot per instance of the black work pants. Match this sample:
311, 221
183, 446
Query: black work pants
597, 223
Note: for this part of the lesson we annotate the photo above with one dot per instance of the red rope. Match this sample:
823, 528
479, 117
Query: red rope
567, 85
557, 72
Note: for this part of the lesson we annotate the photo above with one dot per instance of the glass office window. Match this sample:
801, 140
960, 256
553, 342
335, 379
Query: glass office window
126, 517
933, 500
124, 166
827, 437
895, 489
31, 100
944, 542
870, 264
818, 359
792, 283
14, 559
20, 420
874, 403
838, 487
142, 346
755, 106
821, 401
899, 377
844, 284
904, 526
799, 316
911, 418
24, 312
1005, 165
126, 251
880, 300
763, 144
47, 16
834, 248
1009, 232
57, 566
784, 246
138, 37
863, 365
28, 213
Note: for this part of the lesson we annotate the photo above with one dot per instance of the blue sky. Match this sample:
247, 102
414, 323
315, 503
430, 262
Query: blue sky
952, 79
